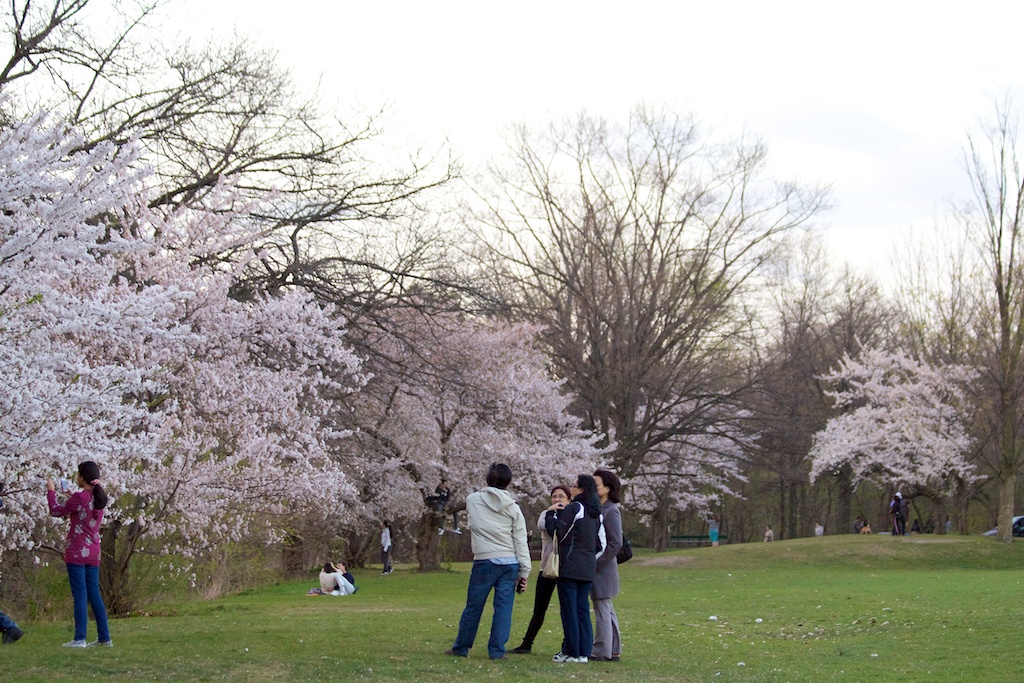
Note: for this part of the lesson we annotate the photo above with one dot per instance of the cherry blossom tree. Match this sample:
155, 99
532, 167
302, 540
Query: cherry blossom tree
473, 393
119, 342
902, 422
692, 473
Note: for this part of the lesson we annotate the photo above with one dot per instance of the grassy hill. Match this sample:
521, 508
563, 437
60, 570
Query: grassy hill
838, 608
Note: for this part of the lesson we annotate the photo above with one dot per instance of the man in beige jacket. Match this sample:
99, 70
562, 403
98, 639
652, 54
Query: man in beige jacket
501, 561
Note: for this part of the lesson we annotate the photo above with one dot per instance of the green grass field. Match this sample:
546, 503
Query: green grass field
839, 608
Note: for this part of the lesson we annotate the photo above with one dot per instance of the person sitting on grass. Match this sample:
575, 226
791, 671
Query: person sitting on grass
10, 629
335, 580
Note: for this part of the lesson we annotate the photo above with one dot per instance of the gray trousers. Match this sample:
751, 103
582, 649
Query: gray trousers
606, 630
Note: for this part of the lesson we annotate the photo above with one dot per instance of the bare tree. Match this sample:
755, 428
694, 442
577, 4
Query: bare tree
995, 219
228, 113
816, 315
632, 246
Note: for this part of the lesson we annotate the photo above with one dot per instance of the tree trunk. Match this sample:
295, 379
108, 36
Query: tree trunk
843, 523
793, 514
118, 548
1007, 492
660, 528
428, 542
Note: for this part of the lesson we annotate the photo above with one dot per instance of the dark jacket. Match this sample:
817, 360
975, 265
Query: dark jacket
577, 538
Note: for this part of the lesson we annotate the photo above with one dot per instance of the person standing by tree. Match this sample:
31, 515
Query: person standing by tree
385, 547
713, 525
576, 529
769, 535
899, 521
501, 562
82, 551
607, 643
545, 586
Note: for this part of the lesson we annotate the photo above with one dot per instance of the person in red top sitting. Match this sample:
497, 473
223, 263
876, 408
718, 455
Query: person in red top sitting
84, 510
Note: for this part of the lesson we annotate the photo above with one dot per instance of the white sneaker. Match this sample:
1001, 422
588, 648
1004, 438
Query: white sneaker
76, 643
102, 643
440, 532
562, 657
457, 531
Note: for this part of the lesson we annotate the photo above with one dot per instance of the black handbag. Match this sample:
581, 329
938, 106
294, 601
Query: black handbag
625, 552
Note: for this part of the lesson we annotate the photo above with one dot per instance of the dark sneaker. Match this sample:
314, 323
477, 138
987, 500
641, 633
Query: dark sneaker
12, 634
522, 650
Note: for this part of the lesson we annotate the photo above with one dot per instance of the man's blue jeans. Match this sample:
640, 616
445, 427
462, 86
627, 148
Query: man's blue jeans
85, 591
6, 622
485, 576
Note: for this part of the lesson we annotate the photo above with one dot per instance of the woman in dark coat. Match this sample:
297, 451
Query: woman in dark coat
607, 645
576, 527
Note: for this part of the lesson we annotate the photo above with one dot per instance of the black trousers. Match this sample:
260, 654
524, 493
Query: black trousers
541, 600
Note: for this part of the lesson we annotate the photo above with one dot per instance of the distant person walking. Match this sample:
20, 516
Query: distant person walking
899, 520
501, 562
82, 550
819, 530
769, 535
385, 547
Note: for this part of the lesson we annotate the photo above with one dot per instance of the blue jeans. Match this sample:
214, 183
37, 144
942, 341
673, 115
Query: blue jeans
85, 591
485, 576
574, 601
6, 622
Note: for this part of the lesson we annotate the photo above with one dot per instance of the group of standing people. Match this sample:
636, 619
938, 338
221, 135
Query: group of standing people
583, 526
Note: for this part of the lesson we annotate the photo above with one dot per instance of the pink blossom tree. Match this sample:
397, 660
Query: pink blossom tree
901, 422
119, 343
472, 393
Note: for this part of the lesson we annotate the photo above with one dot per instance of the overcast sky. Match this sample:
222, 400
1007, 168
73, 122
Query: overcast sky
873, 97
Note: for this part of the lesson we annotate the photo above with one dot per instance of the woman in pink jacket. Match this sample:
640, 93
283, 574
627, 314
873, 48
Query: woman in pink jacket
84, 510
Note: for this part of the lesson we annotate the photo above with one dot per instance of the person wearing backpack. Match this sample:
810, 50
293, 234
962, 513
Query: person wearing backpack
607, 644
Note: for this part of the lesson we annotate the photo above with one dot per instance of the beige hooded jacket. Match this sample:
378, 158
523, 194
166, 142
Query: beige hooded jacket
498, 527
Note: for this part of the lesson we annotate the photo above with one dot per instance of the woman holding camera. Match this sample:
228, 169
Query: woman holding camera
84, 509
545, 586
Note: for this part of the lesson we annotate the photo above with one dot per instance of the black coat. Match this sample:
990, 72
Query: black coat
577, 539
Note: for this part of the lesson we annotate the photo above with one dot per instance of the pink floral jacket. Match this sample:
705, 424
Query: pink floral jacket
83, 545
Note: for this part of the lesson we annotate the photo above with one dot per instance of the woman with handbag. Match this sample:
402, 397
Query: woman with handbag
607, 645
575, 528
545, 585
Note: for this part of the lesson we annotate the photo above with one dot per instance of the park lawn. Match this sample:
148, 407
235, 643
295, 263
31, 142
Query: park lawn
838, 608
